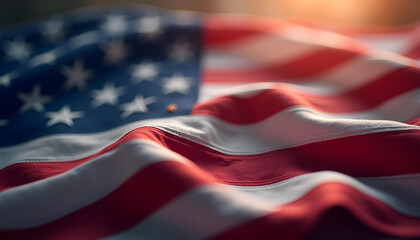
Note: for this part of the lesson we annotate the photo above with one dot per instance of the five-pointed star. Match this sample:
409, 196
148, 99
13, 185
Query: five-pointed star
115, 52
17, 49
177, 83
53, 29
150, 26
139, 104
146, 70
108, 95
76, 76
64, 115
5, 80
181, 51
33, 100
115, 24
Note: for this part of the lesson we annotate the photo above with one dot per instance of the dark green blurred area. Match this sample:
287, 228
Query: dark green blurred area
16, 11
22, 10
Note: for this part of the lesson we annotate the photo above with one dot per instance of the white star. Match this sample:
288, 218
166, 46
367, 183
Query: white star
181, 51
115, 52
5, 80
52, 29
139, 104
177, 83
33, 100
146, 70
108, 95
17, 49
115, 24
76, 76
150, 26
3, 122
64, 115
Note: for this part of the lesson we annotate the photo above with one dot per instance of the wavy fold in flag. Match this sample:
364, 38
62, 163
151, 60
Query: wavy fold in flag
140, 123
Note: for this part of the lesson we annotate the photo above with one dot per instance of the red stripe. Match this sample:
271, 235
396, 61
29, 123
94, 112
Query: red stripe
27, 172
414, 52
373, 150
137, 198
321, 208
238, 76
251, 109
415, 121
221, 30
309, 65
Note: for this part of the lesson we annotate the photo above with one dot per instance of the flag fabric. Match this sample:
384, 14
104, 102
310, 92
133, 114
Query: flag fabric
140, 123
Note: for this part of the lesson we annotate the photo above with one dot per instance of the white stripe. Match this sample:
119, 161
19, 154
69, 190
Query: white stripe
385, 111
397, 43
360, 71
222, 60
318, 36
399, 192
402, 108
258, 50
197, 214
43, 201
207, 211
352, 74
213, 90
285, 45
64, 147
292, 127
299, 126
280, 46
100, 176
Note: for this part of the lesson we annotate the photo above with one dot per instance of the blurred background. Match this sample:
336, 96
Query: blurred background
372, 12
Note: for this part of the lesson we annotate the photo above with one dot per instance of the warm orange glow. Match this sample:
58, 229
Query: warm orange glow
337, 11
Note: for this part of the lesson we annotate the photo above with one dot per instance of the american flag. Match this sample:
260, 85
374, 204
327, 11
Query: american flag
140, 123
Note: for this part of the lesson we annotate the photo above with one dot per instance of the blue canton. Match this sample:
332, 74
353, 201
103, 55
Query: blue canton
96, 69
